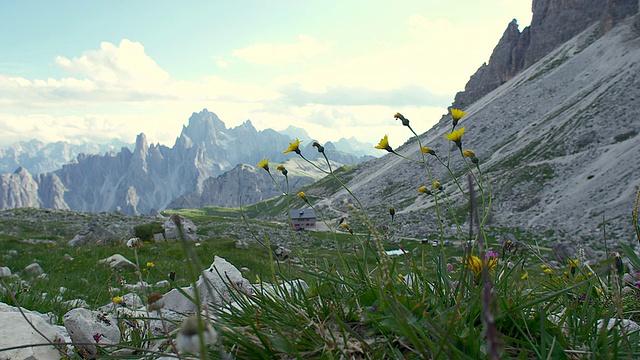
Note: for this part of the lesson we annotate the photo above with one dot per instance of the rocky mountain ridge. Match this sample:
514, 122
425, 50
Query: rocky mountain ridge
150, 177
554, 22
558, 143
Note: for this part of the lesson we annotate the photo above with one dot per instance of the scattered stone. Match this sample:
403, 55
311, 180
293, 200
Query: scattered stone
119, 262
162, 283
214, 286
177, 302
132, 300
39, 242
76, 303
34, 269
94, 234
91, 327
67, 257
159, 237
171, 233
624, 325
240, 244
282, 253
137, 287
4, 271
16, 331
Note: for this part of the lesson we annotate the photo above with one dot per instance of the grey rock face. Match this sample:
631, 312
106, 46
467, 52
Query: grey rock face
554, 22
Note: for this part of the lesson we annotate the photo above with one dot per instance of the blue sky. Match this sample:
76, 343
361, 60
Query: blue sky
96, 70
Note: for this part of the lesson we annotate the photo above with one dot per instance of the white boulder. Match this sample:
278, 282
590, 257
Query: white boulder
16, 331
91, 327
118, 262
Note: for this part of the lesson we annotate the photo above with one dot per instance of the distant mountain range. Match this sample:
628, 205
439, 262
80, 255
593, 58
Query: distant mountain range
149, 178
38, 157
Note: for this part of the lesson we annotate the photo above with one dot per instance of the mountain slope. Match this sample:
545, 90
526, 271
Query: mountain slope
558, 141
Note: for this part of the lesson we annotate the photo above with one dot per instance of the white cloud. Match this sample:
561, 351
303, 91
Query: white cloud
273, 54
126, 64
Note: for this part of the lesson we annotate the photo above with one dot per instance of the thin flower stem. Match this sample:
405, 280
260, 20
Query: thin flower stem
339, 181
278, 185
164, 328
431, 179
453, 177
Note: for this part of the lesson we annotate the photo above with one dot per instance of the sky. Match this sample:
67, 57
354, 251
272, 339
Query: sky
93, 71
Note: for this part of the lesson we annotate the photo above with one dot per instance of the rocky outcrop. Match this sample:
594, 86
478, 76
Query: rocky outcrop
243, 185
553, 23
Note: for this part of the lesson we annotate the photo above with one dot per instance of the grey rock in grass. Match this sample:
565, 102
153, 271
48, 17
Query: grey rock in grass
5, 271
137, 287
215, 287
94, 234
623, 325
91, 327
177, 302
159, 237
34, 269
118, 262
16, 331
171, 233
76, 303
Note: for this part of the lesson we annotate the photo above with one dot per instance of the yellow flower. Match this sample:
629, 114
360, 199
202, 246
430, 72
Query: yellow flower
404, 120
457, 114
264, 163
282, 169
302, 195
392, 211
548, 271
475, 264
384, 144
423, 190
543, 267
524, 276
437, 185
471, 155
294, 146
455, 136
344, 225
318, 146
426, 150
118, 300
150, 264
